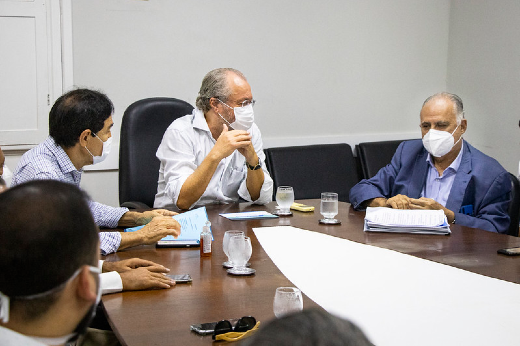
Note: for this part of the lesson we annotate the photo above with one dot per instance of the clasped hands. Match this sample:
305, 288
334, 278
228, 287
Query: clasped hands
405, 202
231, 140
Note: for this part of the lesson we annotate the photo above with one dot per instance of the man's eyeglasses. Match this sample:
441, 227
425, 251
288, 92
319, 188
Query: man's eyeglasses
245, 326
243, 104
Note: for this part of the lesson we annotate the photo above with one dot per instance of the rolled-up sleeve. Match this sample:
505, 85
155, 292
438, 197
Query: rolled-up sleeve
178, 162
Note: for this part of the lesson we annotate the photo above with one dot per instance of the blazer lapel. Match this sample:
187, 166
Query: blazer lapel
460, 184
419, 174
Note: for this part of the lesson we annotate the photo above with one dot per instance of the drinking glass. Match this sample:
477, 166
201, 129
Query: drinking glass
240, 251
225, 246
287, 300
329, 207
284, 198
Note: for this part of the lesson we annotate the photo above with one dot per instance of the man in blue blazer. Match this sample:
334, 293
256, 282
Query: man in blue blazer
441, 172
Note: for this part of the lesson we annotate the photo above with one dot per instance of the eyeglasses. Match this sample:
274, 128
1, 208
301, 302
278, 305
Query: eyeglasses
243, 104
245, 326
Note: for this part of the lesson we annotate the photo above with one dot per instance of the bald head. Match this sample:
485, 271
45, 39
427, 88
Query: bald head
445, 99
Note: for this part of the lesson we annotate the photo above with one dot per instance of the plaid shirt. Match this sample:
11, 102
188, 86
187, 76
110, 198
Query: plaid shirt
49, 161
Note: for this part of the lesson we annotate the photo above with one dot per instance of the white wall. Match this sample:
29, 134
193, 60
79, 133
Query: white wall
484, 69
322, 71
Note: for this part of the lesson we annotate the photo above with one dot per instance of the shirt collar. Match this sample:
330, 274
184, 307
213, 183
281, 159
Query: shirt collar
62, 158
455, 164
199, 121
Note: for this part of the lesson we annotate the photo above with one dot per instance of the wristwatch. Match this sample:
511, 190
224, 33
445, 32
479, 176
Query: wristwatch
253, 168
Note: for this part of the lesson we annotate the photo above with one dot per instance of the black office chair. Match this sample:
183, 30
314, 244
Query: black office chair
143, 126
375, 155
313, 169
514, 206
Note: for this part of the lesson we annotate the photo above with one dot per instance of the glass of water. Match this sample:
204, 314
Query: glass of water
287, 300
225, 246
240, 251
284, 198
329, 207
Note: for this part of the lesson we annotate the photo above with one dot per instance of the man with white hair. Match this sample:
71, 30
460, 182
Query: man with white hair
442, 172
215, 154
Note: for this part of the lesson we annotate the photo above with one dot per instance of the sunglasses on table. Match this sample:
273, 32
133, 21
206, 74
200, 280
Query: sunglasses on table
245, 326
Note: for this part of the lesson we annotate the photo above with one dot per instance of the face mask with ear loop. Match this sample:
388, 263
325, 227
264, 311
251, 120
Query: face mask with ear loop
244, 116
80, 328
106, 150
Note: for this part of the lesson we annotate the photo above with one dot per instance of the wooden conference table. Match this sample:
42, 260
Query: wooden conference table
163, 317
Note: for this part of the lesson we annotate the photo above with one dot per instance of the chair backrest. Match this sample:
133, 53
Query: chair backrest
313, 169
514, 206
375, 155
143, 126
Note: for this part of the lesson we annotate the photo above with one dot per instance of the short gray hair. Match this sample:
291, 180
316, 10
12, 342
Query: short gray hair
458, 106
215, 84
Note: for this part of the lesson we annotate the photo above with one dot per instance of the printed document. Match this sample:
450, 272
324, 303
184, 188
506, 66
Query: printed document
406, 221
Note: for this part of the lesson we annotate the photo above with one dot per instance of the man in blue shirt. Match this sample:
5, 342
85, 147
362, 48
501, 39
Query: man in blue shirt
441, 172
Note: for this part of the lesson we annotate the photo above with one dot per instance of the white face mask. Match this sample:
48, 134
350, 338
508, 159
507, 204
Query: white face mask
7, 175
439, 143
244, 117
106, 150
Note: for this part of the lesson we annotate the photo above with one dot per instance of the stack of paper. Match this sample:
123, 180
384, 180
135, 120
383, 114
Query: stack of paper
406, 221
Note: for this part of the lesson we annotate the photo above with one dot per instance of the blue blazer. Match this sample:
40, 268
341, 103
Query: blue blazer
479, 196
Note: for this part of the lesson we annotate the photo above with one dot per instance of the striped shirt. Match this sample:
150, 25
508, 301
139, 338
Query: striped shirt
49, 161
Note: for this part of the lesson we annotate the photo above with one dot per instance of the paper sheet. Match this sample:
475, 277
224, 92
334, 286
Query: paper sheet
397, 299
248, 215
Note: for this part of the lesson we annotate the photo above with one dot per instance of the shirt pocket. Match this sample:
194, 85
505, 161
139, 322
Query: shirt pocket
231, 181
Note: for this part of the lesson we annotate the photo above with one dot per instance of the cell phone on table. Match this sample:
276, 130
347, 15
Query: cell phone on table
180, 278
511, 251
208, 328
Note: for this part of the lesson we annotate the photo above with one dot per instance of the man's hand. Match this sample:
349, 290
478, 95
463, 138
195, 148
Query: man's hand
430, 204
143, 279
158, 228
133, 263
147, 216
229, 141
135, 218
398, 202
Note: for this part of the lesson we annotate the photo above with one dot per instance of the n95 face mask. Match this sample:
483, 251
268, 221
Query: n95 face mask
439, 143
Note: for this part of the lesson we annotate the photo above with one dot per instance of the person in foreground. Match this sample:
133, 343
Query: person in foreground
47, 297
80, 123
443, 172
215, 154
308, 327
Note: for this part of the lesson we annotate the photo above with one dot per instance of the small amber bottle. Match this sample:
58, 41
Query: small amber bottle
205, 241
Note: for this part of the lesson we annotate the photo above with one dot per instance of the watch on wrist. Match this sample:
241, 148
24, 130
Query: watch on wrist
253, 168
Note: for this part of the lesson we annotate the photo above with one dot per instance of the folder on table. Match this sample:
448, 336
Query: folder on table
191, 225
